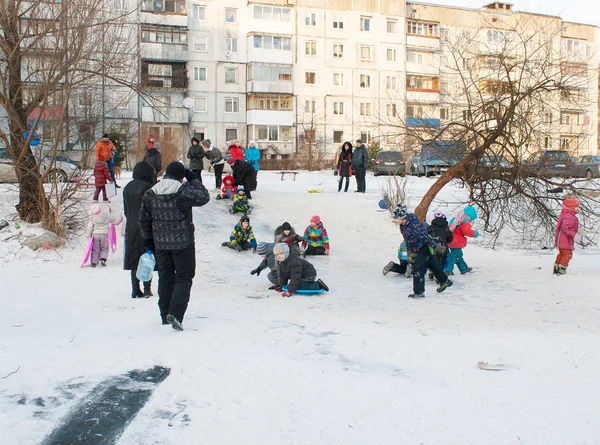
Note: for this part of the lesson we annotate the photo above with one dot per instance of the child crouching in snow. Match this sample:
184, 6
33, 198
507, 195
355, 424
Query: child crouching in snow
404, 267
295, 273
460, 226
242, 237
315, 239
98, 227
567, 227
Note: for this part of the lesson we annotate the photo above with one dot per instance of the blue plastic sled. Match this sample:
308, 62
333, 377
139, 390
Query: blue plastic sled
305, 291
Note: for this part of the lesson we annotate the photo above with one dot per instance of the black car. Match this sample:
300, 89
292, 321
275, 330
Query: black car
550, 163
389, 163
586, 167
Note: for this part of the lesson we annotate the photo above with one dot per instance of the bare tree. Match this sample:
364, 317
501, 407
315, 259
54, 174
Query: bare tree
49, 50
311, 150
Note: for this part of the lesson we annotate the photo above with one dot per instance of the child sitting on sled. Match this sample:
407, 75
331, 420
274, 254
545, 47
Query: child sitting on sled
315, 239
242, 237
98, 227
240, 202
229, 188
285, 233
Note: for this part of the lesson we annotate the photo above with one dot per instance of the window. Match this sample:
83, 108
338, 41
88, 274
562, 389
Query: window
121, 99
391, 55
365, 137
200, 105
365, 81
366, 52
230, 75
84, 99
311, 48
310, 78
272, 42
338, 136
310, 19
177, 6
392, 26
272, 13
391, 82
365, 24
338, 108
494, 36
162, 34
338, 79
548, 118
390, 110
413, 57
269, 72
231, 105
310, 106
444, 113
230, 15
230, 134
588, 50
547, 142
338, 50
200, 44
422, 29
444, 35
365, 109
338, 21
119, 5
231, 45
273, 133
422, 83
269, 102
199, 74
467, 115
199, 13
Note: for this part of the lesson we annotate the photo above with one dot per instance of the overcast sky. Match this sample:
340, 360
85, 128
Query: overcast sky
580, 11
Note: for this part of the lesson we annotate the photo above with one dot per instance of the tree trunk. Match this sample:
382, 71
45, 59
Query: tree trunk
445, 178
33, 204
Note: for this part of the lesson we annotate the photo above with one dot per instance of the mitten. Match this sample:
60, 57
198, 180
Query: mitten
287, 294
278, 289
476, 233
255, 272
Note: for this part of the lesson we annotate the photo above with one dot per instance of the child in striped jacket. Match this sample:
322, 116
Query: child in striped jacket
315, 239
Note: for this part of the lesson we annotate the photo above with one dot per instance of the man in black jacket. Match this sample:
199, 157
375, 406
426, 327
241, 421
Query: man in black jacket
168, 230
296, 273
360, 162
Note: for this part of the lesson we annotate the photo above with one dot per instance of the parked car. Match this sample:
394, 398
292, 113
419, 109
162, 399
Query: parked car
59, 171
550, 163
490, 167
437, 157
389, 163
62, 158
7, 172
586, 167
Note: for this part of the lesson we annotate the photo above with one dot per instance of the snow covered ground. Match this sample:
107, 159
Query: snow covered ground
362, 364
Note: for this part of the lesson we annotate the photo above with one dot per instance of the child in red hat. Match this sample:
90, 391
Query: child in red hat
566, 229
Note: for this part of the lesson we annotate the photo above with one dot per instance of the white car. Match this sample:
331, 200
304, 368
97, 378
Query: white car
60, 171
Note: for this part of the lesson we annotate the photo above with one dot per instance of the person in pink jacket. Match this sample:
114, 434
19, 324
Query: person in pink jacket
461, 229
566, 229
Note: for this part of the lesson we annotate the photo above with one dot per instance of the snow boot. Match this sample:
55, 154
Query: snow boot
556, 270
175, 324
164, 320
387, 268
562, 270
417, 295
322, 285
93, 265
103, 262
446, 284
467, 270
148, 289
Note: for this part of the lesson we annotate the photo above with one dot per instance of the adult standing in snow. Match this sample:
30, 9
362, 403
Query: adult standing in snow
360, 162
168, 230
149, 143
344, 165
243, 174
196, 156
253, 155
105, 148
134, 191
154, 158
418, 243
236, 151
213, 154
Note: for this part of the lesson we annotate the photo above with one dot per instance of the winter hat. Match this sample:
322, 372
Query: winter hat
439, 215
95, 209
315, 219
240, 188
252, 143
176, 170
281, 248
471, 212
261, 248
571, 202
286, 226
245, 218
400, 211
231, 160
195, 140
105, 135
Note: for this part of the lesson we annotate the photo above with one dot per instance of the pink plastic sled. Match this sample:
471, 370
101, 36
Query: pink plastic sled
112, 238
88, 252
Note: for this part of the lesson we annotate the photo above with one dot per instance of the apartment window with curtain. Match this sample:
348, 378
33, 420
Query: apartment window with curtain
199, 14
311, 48
230, 15
338, 50
392, 55
365, 24
199, 74
232, 105
230, 75
365, 81
338, 79
365, 108
310, 78
310, 19
231, 45
310, 106
200, 105
338, 108
366, 52
391, 83
392, 26
338, 21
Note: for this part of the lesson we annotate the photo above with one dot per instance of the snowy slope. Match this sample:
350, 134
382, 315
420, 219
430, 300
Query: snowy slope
362, 364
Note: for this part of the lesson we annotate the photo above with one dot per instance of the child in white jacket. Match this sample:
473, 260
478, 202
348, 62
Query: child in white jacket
98, 226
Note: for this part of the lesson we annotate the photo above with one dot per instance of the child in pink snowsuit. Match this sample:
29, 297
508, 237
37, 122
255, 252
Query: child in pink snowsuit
566, 229
98, 226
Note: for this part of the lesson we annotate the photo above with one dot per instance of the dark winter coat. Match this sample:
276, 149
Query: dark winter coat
196, 156
143, 180
360, 158
344, 166
101, 174
293, 270
270, 260
244, 174
154, 158
439, 231
166, 213
415, 234
293, 240
214, 155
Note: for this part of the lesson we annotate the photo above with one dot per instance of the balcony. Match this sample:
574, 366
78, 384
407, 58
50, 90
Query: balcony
270, 117
421, 68
422, 122
158, 82
165, 115
265, 86
423, 96
427, 43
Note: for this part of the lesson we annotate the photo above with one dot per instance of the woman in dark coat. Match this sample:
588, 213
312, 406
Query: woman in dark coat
344, 165
143, 180
243, 174
154, 159
196, 156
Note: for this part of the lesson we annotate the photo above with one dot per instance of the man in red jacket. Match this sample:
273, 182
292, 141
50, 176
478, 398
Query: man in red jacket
461, 228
